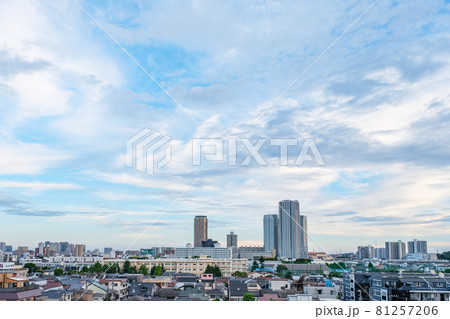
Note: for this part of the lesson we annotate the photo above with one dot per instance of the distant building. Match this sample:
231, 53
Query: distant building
196, 266
395, 250
254, 252
417, 247
380, 253
289, 229
41, 248
212, 252
64, 247
147, 252
107, 250
200, 230
303, 237
209, 243
365, 252
270, 232
80, 250
232, 240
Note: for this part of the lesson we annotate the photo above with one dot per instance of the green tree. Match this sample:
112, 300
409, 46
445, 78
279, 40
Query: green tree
32, 268
156, 271
217, 272
96, 268
444, 255
111, 269
241, 274
84, 269
133, 270
58, 272
126, 267
302, 261
143, 270
209, 269
255, 265
261, 261
281, 269
248, 297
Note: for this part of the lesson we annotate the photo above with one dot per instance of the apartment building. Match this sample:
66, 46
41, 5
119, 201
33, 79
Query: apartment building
196, 266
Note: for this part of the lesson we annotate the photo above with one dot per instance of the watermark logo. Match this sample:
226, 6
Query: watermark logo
143, 150
212, 149
145, 147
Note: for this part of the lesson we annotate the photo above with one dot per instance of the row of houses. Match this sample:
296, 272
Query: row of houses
396, 287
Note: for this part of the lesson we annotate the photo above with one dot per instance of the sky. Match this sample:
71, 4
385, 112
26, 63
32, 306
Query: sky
80, 78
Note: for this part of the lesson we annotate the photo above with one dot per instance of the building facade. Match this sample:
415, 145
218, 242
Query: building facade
395, 250
232, 240
195, 266
417, 247
289, 229
212, 252
270, 232
80, 250
200, 230
303, 237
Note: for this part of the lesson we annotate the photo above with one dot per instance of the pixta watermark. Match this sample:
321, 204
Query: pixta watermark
148, 151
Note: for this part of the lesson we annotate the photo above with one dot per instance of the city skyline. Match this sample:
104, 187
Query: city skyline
72, 99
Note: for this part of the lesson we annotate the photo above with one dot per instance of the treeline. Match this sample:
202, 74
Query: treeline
444, 255
98, 268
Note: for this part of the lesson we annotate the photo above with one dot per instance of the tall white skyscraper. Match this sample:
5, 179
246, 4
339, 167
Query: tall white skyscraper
270, 232
289, 229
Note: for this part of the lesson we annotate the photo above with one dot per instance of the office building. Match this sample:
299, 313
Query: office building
80, 250
289, 229
2, 246
270, 232
200, 230
417, 247
232, 240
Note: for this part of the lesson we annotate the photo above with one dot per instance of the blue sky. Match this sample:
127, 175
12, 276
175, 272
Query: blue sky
376, 104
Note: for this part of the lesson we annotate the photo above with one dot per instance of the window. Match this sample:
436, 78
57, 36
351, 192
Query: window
376, 282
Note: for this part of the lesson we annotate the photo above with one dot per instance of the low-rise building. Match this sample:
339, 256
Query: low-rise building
196, 266
212, 252
117, 288
16, 288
